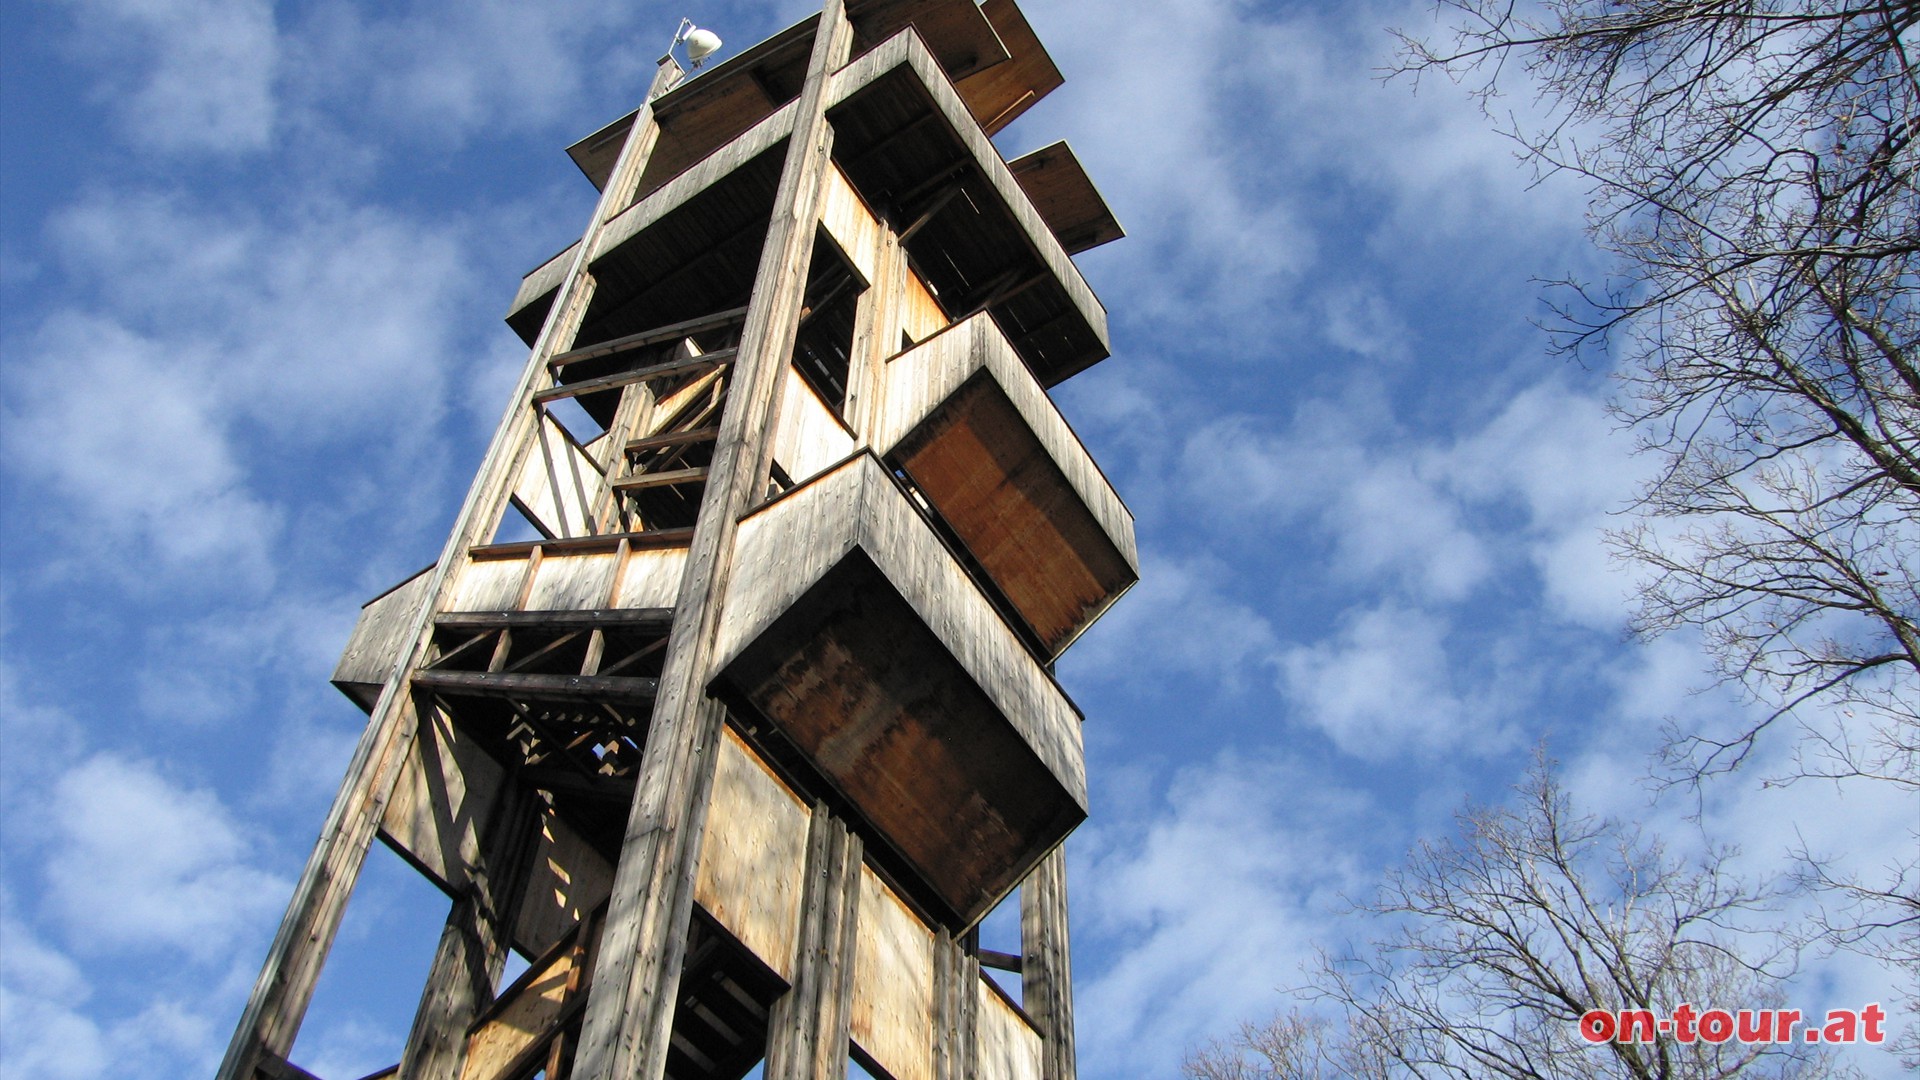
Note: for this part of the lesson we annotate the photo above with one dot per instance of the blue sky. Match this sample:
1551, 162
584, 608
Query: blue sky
254, 258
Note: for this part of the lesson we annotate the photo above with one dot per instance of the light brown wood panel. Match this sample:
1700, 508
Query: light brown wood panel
852, 225
567, 881
810, 436
893, 983
489, 585
572, 581
1009, 1048
518, 1025
854, 629
559, 484
752, 855
651, 578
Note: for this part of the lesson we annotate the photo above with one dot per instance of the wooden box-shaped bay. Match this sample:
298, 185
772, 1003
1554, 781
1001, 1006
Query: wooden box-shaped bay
852, 629
968, 423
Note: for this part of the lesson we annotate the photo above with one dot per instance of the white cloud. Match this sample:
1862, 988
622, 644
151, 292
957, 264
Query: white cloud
1384, 507
186, 75
1182, 619
225, 355
1387, 688
1208, 901
139, 863
42, 998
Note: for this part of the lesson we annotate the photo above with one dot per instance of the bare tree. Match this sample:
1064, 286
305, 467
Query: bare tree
1752, 167
1509, 936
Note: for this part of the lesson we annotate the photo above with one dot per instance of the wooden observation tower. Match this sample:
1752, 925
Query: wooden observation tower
741, 750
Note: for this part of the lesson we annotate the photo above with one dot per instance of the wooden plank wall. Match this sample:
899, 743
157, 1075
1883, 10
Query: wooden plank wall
919, 379
852, 224
753, 854
1009, 1048
618, 576
378, 637
810, 436
893, 984
568, 880
790, 543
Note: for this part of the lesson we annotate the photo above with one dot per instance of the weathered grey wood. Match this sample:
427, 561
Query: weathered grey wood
587, 619
685, 366
630, 1014
642, 481
810, 437
659, 336
956, 1001
672, 438
559, 484
808, 1026
379, 638
514, 685
444, 794
1046, 971
279, 999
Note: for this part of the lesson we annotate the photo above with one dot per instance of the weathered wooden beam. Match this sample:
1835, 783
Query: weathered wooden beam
643, 481
658, 336
807, 1029
286, 982
629, 1019
956, 1005
474, 942
519, 685
642, 618
999, 961
1046, 974
638, 541
686, 366
672, 438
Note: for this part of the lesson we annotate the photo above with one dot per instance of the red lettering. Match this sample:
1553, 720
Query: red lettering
1716, 1025
1874, 1016
1784, 1021
1755, 1025
1637, 1025
1683, 1023
1597, 1026
1842, 1026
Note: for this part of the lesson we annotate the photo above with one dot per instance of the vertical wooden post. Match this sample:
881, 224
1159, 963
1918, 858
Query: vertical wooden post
808, 1029
1046, 975
956, 1010
475, 941
629, 1016
284, 988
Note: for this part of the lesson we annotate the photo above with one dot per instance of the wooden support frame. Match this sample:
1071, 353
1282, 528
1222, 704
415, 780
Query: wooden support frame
630, 1014
286, 982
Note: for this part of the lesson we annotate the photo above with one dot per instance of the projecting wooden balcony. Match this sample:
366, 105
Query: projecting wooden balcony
979, 438
874, 656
